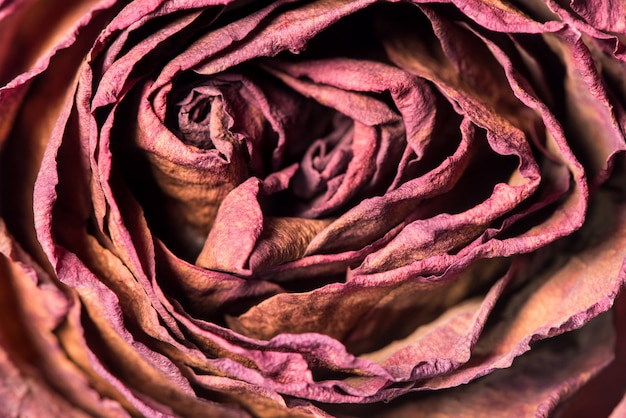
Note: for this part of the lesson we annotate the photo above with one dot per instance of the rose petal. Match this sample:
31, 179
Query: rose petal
533, 386
589, 280
30, 337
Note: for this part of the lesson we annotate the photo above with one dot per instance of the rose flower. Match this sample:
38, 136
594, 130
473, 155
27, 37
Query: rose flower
312, 208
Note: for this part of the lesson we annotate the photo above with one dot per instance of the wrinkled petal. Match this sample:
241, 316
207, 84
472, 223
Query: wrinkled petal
291, 208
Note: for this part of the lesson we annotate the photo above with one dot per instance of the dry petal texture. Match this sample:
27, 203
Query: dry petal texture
293, 208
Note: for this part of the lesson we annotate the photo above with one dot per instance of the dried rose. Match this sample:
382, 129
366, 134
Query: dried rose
293, 208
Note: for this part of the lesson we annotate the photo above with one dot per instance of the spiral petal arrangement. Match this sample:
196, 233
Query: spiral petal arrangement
311, 208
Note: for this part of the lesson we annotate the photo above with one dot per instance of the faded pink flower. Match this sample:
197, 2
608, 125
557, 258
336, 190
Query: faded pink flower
312, 208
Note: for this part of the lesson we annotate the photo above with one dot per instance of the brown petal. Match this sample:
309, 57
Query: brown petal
32, 308
53, 83
533, 386
193, 181
284, 239
559, 299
